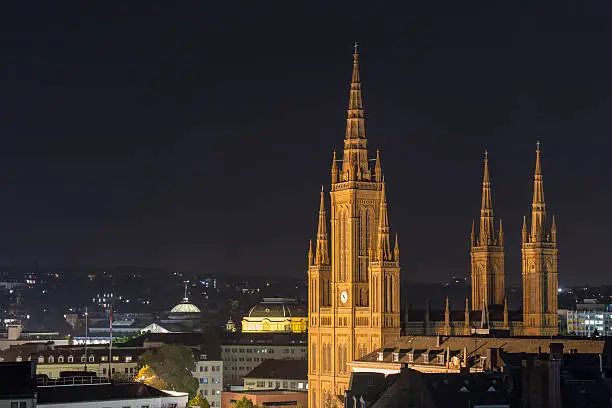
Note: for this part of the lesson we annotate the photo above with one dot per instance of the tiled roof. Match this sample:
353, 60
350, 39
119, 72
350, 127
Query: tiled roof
476, 346
98, 392
281, 369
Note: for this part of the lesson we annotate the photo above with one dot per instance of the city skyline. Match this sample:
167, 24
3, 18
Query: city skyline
147, 158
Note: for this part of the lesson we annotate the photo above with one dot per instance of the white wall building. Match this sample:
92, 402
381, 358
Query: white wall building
210, 379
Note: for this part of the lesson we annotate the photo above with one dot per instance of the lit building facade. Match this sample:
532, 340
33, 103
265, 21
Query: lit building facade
589, 319
353, 292
242, 353
354, 304
276, 315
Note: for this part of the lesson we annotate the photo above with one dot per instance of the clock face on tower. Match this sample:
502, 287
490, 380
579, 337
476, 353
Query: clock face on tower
343, 296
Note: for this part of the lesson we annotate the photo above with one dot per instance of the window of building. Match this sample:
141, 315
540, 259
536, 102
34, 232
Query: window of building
217, 380
60, 359
212, 403
395, 357
41, 359
104, 358
128, 359
127, 371
204, 380
115, 358
50, 359
426, 358
441, 359
70, 359
205, 369
83, 358
203, 357
91, 358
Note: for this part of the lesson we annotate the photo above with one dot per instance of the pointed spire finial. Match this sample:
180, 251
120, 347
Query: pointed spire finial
377, 168
310, 253
321, 253
396, 251
384, 246
355, 47
500, 238
538, 205
486, 232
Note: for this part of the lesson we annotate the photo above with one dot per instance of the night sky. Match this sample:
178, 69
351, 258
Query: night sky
196, 138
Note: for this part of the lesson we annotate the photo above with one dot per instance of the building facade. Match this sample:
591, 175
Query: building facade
242, 353
278, 374
210, 379
354, 304
276, 315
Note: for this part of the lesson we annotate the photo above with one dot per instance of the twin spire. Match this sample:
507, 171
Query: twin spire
537, 232
486, 232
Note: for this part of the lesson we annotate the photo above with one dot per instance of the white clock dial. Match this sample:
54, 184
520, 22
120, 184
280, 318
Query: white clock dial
343, 296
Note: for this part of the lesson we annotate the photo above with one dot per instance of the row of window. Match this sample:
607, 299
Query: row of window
214, 380
70, 359
213, 369
277, 384
257, 350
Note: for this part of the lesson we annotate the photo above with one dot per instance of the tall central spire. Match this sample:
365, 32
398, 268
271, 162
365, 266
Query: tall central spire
486, 208
538, 207
355, 164
355, 128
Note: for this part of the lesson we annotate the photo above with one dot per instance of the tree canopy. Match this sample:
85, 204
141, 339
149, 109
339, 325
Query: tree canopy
173, 364
199, 401
147, 375
243, 403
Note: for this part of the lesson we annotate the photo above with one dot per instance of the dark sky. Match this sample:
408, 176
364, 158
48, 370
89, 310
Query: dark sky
196, 138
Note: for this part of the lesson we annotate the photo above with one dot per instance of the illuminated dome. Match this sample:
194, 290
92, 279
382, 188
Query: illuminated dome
185, 307
278, 307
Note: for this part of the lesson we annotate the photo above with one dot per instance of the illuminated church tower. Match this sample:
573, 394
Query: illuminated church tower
354, 294
540, 283
487, 252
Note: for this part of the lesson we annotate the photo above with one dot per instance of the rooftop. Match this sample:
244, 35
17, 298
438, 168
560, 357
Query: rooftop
97, 392
281, 369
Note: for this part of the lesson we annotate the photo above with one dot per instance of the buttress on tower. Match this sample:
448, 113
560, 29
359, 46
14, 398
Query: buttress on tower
353, 295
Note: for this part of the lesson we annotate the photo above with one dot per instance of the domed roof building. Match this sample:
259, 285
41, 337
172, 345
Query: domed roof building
280, 315
185, 307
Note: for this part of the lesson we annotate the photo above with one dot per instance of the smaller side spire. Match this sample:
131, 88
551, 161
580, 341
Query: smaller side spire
396, 251
506, 312
322, 254
553, 230
310, 254
378, 168
447, 314
473, 236
500, 238
466, 315
334, 169
384, 246
524, 232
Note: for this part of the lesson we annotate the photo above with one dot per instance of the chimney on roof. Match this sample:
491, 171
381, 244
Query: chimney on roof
556, 351
491, 358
